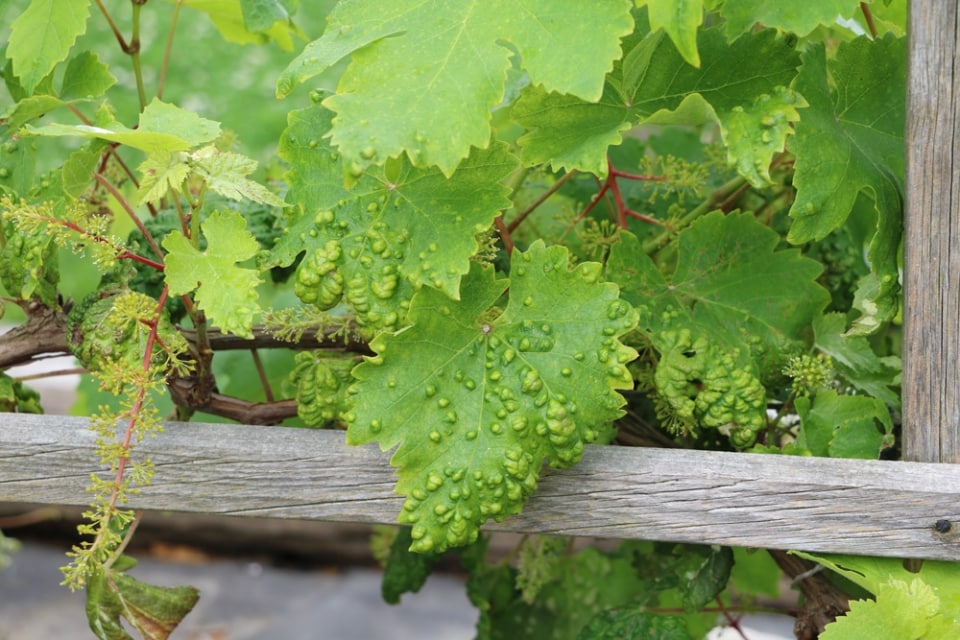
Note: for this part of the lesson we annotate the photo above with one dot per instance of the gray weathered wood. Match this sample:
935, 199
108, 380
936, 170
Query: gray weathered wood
931, 380
816, 504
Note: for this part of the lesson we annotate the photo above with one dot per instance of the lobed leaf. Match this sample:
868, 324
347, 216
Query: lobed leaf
43, 35
742, 85
849, 140
163, 127
726, 317
424, 75
226, 292
680, 21
399, 228
477, 402
795, 17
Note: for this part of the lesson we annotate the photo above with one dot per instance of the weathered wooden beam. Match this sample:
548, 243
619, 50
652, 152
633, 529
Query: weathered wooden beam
867, 507
931, 377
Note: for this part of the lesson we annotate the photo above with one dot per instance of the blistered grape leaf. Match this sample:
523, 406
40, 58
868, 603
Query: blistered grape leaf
226, 292
796, 17
163, 127
680, 21
856, 361
902, 610
424, 75
742, 85
397, 229
152, 610
726, 317
85, 78
226, 173
843, 426
850, 139
729, 274
477, 401
42, 35
754, 133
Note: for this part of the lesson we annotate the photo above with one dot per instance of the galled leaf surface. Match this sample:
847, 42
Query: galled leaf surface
850, 141
397, 229
654, 84
42, 36
227, 292
478, 401
733, 307
424, 75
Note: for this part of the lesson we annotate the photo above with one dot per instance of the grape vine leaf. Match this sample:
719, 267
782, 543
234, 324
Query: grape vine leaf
843, 426
635, 621
855, 360
653, 84
850, 139
161, 171
260, 15
226, 173
680, 21
154, 611
163, 127
404, 571
246, 21
724, 319
587, 583
795, 17
227, 292
424, 75
43, 35
872, 573
397, 229
85, 78
478, 401
901, 610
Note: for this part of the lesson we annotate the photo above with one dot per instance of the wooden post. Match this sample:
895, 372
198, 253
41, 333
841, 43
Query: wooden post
931, 377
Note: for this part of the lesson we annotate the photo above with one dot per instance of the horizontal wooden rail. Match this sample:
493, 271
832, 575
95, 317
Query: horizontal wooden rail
901, 509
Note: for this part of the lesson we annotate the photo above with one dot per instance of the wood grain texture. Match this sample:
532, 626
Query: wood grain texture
815, 504
931, 380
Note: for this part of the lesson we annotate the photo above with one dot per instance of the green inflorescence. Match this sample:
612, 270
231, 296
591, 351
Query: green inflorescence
810, 373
